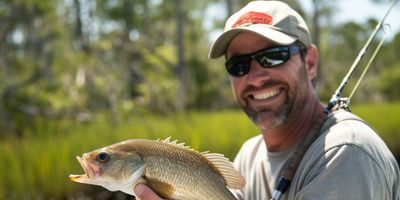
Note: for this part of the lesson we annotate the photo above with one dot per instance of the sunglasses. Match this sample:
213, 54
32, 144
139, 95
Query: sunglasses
267, 58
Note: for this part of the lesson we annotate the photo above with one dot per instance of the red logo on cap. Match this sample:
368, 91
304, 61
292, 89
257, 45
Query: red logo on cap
253, 18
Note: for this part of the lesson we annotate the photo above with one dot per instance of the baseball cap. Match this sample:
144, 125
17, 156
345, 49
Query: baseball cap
273, 20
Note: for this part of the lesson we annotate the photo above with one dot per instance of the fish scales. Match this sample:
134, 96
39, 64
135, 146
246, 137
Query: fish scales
181, 167
172, 170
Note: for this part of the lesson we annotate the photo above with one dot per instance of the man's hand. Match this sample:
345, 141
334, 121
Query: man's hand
145, 193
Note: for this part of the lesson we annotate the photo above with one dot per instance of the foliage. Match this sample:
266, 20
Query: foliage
76, 58
65, 58
386, 80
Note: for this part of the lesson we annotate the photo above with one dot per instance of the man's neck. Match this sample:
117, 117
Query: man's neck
283, 138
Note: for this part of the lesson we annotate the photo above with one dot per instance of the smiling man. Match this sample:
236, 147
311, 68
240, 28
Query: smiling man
278, 99
272, 65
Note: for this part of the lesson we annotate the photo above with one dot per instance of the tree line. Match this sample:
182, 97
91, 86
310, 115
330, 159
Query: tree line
75, 58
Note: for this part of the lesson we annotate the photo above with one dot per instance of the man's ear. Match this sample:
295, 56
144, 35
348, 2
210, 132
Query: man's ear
311, 61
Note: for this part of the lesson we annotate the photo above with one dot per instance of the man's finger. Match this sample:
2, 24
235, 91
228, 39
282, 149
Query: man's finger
145, 193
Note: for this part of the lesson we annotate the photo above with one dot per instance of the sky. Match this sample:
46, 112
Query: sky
352, 10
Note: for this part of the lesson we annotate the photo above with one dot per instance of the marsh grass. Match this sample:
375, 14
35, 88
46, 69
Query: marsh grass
37, 165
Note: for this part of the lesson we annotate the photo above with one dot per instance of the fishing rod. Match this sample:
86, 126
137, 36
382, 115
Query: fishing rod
385, 33
337, 96
291, 165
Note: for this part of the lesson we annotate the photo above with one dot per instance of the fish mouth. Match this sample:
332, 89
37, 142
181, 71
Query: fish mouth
91, 171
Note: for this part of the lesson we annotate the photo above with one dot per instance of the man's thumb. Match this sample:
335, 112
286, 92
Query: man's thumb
145, 193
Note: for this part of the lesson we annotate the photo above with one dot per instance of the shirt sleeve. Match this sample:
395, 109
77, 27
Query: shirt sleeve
344, 172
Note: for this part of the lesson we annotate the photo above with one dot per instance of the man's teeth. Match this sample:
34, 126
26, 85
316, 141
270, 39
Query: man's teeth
265, 95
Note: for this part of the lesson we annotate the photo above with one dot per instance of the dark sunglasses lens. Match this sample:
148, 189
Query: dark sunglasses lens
273, 57
238, 66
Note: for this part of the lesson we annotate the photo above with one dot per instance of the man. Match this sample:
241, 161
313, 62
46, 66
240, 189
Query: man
272, 64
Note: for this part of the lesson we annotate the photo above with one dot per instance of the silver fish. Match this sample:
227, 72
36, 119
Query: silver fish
172, 170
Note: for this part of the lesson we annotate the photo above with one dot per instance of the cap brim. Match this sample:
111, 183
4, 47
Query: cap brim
221, 43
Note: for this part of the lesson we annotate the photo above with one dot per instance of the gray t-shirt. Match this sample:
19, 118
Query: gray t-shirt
347, 161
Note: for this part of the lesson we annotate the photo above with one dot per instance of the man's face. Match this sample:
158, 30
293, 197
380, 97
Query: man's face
271, 97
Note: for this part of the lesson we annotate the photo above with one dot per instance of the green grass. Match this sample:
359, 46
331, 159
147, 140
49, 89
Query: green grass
37, 166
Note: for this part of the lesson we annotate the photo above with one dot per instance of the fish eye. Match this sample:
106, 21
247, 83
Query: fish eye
103, 157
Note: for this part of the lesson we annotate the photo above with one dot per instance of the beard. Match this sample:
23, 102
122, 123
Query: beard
280, 114
291, 108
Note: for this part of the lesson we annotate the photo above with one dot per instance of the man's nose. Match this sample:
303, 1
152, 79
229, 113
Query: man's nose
257, 74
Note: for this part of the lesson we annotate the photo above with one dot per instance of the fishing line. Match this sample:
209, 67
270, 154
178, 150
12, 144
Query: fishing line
385, 30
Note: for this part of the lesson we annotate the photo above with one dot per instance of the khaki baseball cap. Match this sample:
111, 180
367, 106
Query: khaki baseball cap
273, 20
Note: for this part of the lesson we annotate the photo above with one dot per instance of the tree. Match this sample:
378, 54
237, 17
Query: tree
181, 66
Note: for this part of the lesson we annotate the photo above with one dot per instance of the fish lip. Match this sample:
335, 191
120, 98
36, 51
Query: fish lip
91, 174
91, 170
83, 163
88, 171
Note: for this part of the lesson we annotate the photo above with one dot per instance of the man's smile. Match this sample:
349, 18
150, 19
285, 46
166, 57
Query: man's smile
270, 98
266, 94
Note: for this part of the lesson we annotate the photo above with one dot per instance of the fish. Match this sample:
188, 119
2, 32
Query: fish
171, 169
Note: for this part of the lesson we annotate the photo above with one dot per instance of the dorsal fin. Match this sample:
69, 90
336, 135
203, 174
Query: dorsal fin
175, 143
232, 177
167, 140
181, 145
